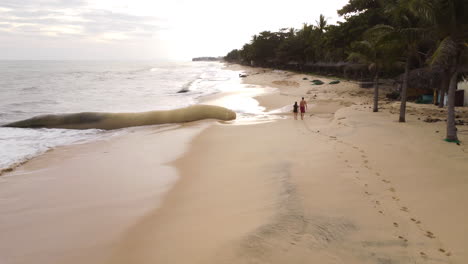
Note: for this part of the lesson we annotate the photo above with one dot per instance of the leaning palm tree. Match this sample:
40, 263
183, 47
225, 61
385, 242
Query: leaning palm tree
450, 21
406, 29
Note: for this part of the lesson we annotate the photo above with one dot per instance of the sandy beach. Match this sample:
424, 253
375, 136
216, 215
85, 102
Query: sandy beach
345, 185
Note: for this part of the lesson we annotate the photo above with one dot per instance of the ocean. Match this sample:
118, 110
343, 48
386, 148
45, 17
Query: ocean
32, 88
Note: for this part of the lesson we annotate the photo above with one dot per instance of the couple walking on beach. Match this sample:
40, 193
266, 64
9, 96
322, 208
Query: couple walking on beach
302, 105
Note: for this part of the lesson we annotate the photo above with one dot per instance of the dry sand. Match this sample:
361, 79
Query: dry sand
343, 186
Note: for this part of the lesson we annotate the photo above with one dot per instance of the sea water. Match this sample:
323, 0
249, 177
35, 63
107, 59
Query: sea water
32, 88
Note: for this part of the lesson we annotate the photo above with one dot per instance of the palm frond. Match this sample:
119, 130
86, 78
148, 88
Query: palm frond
421, 8
358, 57
364, 47
445, 52
378, 30
413, 34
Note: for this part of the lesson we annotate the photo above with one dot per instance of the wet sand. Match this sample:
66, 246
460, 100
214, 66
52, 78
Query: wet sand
343, 186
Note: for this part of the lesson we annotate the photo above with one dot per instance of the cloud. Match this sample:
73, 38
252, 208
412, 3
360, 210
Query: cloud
43, 4
56, 18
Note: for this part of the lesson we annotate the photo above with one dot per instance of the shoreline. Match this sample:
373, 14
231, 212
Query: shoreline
377, 216
344, 186
100, 187
66, 159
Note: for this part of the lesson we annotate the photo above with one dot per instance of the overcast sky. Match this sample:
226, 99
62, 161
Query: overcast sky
145, 29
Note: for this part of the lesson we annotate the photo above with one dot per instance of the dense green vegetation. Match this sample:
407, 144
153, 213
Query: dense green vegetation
378, 38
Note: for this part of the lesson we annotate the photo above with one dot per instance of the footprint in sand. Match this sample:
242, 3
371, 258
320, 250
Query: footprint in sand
362, 151
366, 192
395, 224
429, 234
423, 254
357, 171
378, 174
386, 181
392, 189
363, 156
403, 238
395, 198
377, 202
366, 161
346, 161
381, 212
404, 209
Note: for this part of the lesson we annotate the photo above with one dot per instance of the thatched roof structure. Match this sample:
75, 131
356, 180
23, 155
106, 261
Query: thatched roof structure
426, 78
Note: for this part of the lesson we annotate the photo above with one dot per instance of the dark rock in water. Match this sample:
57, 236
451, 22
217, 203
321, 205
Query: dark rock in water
184, 90
305, 78
242, 75
334, 82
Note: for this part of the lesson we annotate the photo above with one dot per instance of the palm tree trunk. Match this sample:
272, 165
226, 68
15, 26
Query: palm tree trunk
442, 98
451, 128
376, 91
404, 91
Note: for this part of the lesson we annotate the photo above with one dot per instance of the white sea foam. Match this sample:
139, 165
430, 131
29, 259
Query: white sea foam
18, 144
31, 88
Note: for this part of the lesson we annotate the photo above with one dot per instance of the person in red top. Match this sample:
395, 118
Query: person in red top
303, 107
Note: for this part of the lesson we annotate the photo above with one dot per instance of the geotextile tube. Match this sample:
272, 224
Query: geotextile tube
88, 120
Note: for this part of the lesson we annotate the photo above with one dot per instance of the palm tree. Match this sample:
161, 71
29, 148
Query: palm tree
366, 52
321, 23
450, 20
372, 52
406, 30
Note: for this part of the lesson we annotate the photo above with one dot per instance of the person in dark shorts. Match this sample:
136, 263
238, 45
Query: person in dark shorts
295, 108
303, 106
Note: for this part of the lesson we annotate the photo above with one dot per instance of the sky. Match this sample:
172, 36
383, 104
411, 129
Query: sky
145, 29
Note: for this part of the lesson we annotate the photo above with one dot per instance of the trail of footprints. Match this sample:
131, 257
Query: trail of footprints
394, 196
377, 204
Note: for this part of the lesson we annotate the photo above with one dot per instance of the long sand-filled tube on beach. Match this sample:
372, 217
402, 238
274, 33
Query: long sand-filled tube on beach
88, 120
